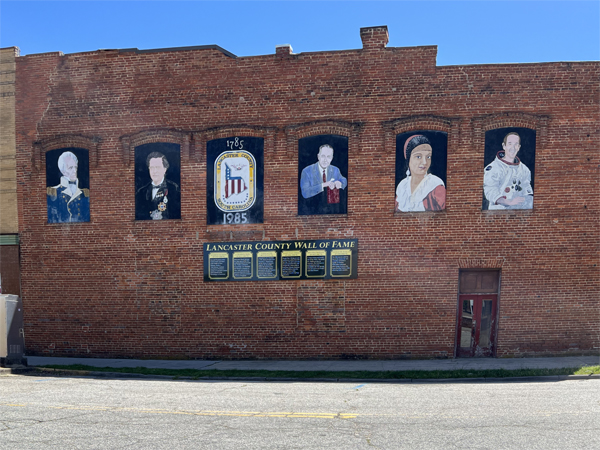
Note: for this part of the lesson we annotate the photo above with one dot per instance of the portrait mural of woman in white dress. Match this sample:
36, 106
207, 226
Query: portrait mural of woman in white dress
421, 171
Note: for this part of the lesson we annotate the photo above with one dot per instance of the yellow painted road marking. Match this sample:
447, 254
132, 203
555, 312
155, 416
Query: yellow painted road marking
293, 415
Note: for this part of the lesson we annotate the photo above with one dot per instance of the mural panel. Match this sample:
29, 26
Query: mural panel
67, 185
421, 160
509, 160
234, 180
323, 171
157, 181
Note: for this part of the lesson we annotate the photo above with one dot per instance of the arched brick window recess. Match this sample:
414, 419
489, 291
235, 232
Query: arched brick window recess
511, 119
296, 132
200, 138
448, 125
40, 148
130, 142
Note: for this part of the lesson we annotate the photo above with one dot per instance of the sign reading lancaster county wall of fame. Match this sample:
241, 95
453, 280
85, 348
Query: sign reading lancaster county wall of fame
281, 260
235, 180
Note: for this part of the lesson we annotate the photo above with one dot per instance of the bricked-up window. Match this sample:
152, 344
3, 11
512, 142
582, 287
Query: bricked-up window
421, 160
157, 181
509, 169
321, 307
323, 175
68, 185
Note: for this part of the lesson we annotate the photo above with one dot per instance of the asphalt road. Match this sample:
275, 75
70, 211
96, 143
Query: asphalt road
87, 413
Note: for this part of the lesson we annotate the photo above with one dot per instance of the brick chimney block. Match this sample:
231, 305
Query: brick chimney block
283, 50
374, 37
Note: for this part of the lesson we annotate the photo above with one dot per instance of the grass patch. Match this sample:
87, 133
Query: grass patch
588, 370
383, 375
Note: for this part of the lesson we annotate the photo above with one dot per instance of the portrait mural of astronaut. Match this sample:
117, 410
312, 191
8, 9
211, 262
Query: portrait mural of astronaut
234, 180
509, 159
421, 162
323, 175
157, 181
67, 185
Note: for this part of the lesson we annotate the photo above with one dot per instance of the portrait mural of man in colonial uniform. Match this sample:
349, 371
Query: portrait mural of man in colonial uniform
509, 159
323, 167
421, 161
67, 181
157, 180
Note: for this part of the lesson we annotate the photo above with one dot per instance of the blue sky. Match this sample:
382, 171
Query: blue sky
471, 32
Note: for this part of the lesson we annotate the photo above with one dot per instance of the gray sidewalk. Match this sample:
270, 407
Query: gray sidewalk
370, 365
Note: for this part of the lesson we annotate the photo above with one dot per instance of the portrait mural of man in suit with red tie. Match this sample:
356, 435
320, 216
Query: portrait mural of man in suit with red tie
323, 186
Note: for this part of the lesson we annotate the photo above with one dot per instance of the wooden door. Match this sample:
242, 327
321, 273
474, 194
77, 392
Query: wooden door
477, 325
477, 313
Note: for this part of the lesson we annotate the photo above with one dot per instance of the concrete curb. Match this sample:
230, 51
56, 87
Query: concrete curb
90, 373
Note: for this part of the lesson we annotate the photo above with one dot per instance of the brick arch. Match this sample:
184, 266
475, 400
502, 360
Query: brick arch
296, 132
424, 122
89, 143
324, 127
200, 138
230, 130
511, 119
129, 142
433, 123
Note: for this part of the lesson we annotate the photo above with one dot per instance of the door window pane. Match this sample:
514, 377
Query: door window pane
466, 323
486, 324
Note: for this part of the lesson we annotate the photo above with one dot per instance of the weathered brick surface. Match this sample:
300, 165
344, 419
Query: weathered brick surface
115, 287
8, 178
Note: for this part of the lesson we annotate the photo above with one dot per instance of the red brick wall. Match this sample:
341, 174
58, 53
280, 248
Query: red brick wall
115, 287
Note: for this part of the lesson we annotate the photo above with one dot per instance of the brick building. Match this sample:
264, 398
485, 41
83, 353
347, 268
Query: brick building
9, 227
427, 284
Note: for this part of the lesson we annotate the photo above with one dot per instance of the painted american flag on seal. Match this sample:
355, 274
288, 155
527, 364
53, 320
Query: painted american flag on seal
233, 184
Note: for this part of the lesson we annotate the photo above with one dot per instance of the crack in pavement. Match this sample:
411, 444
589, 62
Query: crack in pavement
41, 421
286, 414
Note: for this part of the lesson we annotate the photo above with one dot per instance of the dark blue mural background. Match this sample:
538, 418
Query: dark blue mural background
53, 173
